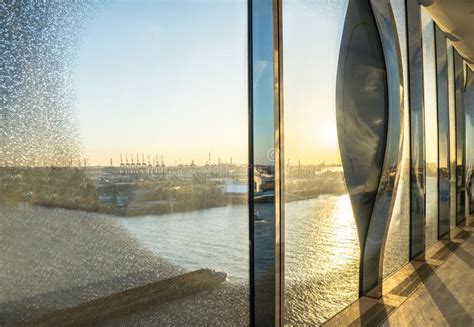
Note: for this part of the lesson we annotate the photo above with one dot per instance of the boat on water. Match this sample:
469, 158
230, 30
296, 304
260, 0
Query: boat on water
258, 216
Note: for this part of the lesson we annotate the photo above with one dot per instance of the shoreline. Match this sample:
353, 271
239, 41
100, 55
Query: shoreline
56, 258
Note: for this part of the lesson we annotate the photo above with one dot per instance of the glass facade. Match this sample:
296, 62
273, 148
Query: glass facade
452, 137
459, 86
321, 243
417, 130
264, 164
469, 105
397, 246
120, 170
223, 162
443, 132
431, 127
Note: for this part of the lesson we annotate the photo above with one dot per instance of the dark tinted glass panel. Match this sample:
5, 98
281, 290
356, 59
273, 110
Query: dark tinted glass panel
460, 136
417, 169
431, 128
264, 155
443, 131
123, 163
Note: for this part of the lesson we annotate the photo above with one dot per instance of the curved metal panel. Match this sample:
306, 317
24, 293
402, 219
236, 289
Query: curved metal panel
369, 115
378, 227
361, 111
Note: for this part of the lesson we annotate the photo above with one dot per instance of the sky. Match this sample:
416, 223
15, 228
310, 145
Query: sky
170, 78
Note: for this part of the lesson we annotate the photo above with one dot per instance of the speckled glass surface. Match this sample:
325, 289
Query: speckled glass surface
431, 128
123, 159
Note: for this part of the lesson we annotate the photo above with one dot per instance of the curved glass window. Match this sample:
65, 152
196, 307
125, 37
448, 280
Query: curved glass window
121, 172
397, 244
417, 133
321, 240
431, 129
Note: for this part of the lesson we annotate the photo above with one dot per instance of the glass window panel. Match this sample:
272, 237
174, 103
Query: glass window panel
397, 244
452, 137
459, 85
431, 127
469, 105
443, 132
124, 161
321, 242
265, 181
416, 112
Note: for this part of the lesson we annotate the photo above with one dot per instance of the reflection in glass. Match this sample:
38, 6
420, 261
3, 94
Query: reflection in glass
460, 137
119, 166
321, 243
417, 151
469, 105
431, 127
264, 156
443, 132
452, 137
397, 243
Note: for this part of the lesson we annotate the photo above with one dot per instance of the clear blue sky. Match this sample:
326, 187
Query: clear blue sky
170, 77
164, 77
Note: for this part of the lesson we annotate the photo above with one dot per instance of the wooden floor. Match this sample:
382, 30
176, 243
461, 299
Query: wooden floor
436, 292
446, 298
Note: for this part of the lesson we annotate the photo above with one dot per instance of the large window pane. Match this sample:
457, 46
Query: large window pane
264, 156
417, 133
397, 244
443, 131
124, 160
452, 137
321, 243
469, 105
459, 84
431, 127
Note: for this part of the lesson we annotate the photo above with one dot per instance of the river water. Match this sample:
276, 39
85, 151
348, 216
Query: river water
321, 257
